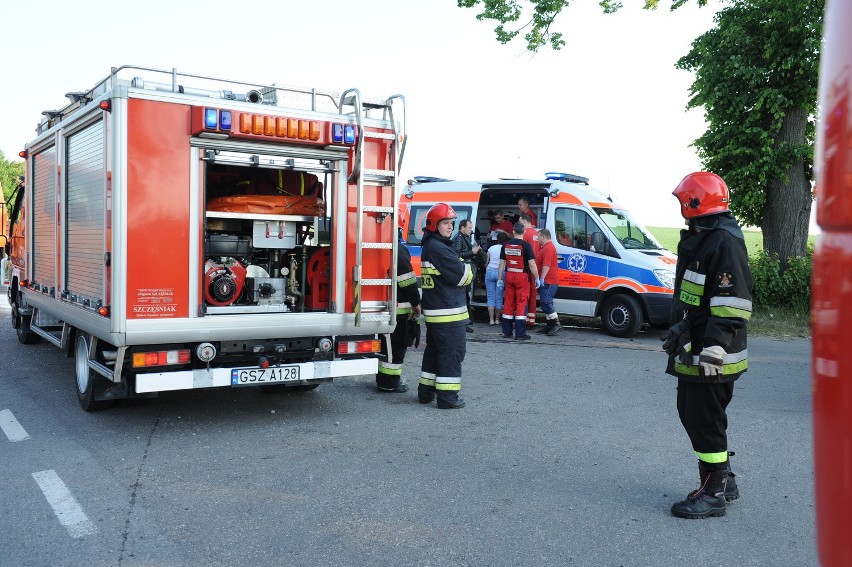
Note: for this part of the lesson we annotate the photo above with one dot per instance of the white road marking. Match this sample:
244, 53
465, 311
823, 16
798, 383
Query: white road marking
67, 511
11, 427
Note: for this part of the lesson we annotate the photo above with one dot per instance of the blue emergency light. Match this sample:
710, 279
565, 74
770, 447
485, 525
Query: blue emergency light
349, 134
225, 120
337, 133
211, 118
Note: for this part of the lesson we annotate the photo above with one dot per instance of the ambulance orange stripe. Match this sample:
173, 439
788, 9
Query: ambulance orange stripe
625, 282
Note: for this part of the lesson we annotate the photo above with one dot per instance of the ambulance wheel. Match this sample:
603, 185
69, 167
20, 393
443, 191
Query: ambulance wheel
621, 316
87, 380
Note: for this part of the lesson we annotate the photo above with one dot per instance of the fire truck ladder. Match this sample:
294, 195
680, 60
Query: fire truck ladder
381, 179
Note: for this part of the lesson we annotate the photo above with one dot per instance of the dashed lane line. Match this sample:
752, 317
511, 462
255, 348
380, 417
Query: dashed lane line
67, 511
11, 427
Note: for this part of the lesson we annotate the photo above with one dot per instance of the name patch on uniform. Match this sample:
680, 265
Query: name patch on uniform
514, 252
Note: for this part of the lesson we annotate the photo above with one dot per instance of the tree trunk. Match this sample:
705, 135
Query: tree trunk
787, 211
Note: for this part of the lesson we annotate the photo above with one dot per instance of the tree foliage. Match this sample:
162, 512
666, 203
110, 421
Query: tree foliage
538, 18
756, 79
9, 172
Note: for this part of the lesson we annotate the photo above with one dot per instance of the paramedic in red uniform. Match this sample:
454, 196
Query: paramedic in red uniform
500, 224
531, 238
394, 345
707, 341
444, 280
524, 206
517, 261
548, 270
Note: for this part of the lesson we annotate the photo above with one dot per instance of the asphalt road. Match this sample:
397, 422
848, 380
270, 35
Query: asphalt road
569, 452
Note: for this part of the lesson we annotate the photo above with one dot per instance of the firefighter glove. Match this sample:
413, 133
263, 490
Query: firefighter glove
677, 341
710, 360
412, 333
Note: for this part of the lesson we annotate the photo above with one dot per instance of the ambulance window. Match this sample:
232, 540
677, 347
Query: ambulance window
417, 220
574, 228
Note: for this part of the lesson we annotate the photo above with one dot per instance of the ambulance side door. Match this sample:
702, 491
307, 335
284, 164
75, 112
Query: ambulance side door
582, 269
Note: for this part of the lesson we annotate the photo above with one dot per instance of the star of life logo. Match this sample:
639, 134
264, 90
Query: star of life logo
577, 263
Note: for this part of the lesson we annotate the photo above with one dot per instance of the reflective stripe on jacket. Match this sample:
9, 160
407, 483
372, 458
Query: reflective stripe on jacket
444, 278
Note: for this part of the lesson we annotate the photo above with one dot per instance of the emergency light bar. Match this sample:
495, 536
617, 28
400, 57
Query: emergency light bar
569, 177
223, 123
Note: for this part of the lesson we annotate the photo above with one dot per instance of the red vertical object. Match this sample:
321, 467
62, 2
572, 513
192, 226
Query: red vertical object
831, 308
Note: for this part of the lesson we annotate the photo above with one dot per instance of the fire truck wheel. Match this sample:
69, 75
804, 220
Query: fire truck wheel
621, 316
22, 327
87, 380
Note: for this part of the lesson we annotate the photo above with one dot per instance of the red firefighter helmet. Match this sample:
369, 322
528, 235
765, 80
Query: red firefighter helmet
437, 213
700, 194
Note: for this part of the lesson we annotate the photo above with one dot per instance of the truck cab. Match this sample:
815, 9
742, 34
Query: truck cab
609, 265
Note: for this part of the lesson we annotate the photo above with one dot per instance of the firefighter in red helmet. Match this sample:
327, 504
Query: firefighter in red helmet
444, 280
706, 343
394, 345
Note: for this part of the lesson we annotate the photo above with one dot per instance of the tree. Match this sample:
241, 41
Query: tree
756, 78
9, 172
544, 12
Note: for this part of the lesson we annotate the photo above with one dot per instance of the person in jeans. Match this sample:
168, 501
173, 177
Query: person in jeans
548, 270
494, 295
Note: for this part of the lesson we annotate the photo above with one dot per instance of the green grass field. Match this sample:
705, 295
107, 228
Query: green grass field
774, 322
669, 238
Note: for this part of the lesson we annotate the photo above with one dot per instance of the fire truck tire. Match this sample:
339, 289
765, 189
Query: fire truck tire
87, 381
621, 316
22, 327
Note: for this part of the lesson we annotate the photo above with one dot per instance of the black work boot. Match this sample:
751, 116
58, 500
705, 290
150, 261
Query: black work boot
449, 400
548, 325
731, 490
708, 500
425, 394
555, 328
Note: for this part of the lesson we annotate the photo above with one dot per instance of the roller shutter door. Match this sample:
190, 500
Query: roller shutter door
44, 218
85, 214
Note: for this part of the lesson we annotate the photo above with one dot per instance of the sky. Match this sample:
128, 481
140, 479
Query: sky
610, 105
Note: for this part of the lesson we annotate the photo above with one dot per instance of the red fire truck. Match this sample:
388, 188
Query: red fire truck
178, 231
831, 308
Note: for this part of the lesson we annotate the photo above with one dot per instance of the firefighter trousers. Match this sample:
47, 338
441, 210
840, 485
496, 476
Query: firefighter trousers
392, 355
702, 411
442, 361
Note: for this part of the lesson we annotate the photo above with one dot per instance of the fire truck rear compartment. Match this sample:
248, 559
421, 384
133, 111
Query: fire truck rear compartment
265, 262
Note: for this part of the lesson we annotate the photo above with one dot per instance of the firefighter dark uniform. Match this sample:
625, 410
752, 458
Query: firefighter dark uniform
444, 278
707, 342
516, 254
394, 345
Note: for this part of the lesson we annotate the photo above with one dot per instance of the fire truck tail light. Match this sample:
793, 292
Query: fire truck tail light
359, 347
160, 358
103, 311
105, 105
23, 154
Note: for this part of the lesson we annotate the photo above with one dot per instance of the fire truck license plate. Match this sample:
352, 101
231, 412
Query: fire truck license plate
255, 376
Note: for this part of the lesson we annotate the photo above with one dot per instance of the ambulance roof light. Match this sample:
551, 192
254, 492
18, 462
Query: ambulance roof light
568, 177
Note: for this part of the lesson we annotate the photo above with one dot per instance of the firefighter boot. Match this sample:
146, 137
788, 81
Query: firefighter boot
449, 400
708, 500
425, 394
507, 327
731, 490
